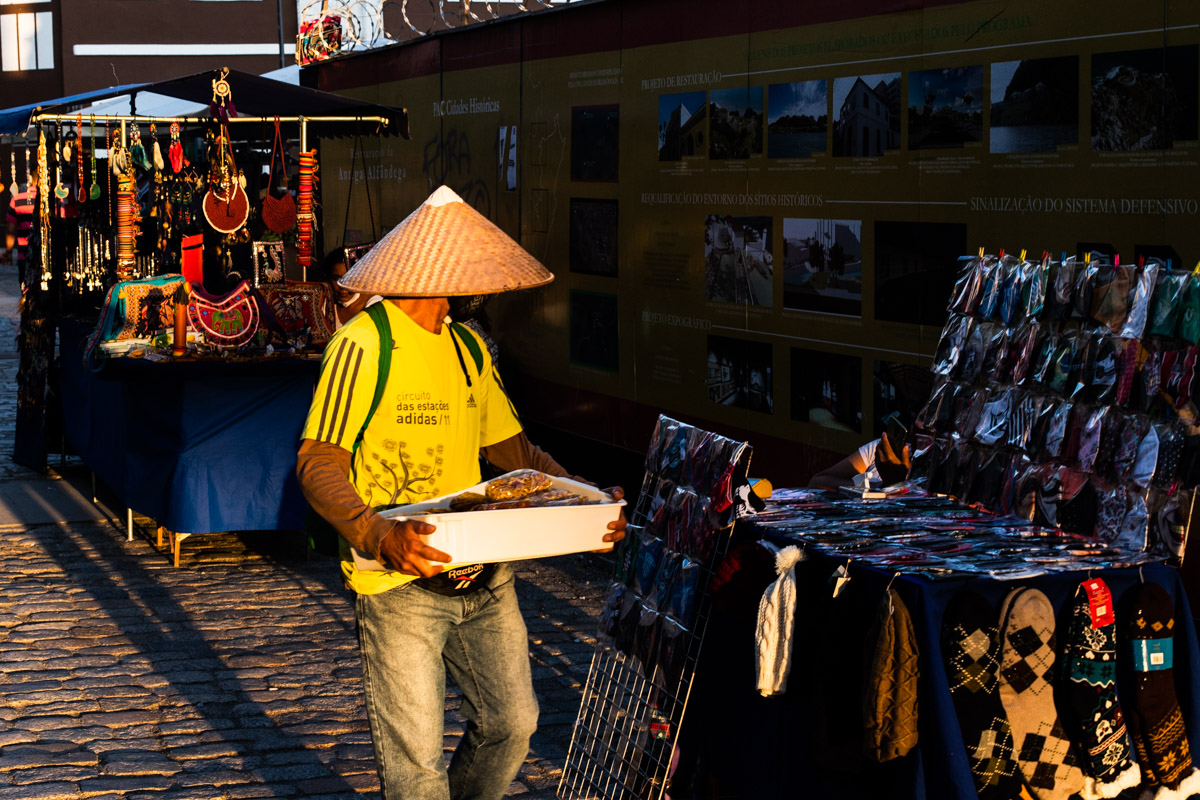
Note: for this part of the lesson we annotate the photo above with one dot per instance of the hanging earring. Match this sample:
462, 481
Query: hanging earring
156, 150
137, 152
175, 151
79, 158
94, 192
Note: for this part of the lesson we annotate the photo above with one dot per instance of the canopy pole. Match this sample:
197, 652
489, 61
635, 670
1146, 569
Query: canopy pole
304, 149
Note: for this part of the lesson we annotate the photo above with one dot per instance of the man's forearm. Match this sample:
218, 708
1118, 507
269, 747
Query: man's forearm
323, 471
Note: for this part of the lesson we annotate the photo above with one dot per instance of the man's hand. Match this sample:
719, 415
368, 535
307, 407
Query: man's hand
616, 528
892, 465
403, 549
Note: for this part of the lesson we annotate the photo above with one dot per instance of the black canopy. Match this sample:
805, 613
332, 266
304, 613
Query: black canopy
253, 96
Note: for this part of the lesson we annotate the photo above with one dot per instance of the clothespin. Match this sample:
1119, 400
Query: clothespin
1087, 257
887, 590
1141, 577
1023, 254
1142, 262
840, 577
1001, 253
1196, 271
981, 252
1117, 260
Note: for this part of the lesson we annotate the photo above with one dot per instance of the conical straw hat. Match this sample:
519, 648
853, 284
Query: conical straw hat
445, 248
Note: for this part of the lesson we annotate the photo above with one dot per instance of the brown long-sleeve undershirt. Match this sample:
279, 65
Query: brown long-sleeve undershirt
323, 470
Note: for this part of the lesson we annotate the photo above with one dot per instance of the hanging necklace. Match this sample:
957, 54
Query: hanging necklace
14, 188
31, 186
60, 191
79, 157
94, 192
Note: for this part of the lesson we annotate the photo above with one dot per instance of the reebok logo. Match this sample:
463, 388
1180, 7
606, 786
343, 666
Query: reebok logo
470, 400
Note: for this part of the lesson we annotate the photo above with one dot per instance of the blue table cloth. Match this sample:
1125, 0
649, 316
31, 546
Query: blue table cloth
808, 742
200, 447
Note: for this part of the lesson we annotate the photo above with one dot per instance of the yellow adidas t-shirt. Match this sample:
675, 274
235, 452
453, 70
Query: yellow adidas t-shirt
425, 437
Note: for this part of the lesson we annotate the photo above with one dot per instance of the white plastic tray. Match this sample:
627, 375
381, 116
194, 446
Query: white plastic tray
510, 534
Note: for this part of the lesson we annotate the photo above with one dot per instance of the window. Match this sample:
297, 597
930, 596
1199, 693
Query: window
26, 41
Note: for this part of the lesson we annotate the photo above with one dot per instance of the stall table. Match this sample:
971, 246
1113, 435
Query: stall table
809, 741
198, 446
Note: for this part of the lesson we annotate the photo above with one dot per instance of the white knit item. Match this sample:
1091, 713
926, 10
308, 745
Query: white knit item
776, 616
1187, 787
1096, 790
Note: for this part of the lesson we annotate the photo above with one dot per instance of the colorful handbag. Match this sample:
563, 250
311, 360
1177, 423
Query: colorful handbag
135, 310
278, 213
231, 319
302, 305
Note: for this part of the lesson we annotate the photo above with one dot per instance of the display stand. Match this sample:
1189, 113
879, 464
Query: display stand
652, 627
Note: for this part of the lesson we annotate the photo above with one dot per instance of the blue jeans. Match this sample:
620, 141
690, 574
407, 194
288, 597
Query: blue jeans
409, 639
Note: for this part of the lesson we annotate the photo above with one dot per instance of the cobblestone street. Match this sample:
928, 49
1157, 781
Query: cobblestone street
235, 676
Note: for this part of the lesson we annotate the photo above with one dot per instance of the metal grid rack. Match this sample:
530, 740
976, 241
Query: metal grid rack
628, 723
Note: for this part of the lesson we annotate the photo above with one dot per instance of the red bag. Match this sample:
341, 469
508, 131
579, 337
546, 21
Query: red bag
192, 249
231, 319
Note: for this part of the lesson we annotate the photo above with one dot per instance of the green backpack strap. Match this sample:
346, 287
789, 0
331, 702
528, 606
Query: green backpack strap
378, 315
322, 538
468, 338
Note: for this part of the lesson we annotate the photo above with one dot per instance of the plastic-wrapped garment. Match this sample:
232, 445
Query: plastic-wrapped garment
989, 297
1034, 277
1188, 328
1049, 496
1025, 413
1127, 358
1010, 291
965, 297
1110, 298
1023, 342
970, 410
1177, 374
1085, 289
1064, 365
971, 362
950, 346
1130, 432
1070, 445
1089, 439
1060, 300
1150, 374
610, 614
996, 365
649, 558
646, 640
1170, 451
627, 622
1139, 305
1103, 380
1168, 302
1042, 366
928, 417
967, 466
684, 593
989, 478
1025, 493
1110, 437
995, 417
674, 640
1114, 504
1168, 527
1036, 445
1056, 432
1135, 527
664, 582
1146, 460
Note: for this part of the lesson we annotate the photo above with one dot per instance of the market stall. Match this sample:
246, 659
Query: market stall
1008, 622
171, 254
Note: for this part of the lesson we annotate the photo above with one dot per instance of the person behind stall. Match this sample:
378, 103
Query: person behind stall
443, 406
878, 458
345, 302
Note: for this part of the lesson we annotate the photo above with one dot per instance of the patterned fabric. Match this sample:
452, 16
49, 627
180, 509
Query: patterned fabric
1157, 726
302, 305
890, 703
1043, 749
1089, 674
971, 649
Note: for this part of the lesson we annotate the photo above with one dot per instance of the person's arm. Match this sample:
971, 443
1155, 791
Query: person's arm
322, 469
517, 452
840, 474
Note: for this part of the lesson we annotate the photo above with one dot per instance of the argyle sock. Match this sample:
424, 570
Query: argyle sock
1156, 723
1089, 672
971, 648
1043, 749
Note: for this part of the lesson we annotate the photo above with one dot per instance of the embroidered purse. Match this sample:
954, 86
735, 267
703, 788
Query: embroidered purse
135, 310
230, 320
302, 305
278, 213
